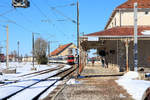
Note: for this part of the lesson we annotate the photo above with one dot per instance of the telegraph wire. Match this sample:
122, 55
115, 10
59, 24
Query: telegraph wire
26, 18
6, 12
61, 25
55, 26
40, 10
62, 14
72, 4
13, 22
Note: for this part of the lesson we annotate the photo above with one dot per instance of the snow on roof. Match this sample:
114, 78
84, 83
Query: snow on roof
146, 32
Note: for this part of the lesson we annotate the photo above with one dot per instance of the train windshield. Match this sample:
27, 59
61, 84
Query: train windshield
71, 57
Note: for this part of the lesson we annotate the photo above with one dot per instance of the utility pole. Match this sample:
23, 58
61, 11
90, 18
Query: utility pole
7, 45
33, 49
49, 49
18, 49
135, 38
78, 57
0, 53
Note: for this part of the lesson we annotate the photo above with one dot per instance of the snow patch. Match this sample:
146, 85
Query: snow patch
72, 81
134, 87
130, 75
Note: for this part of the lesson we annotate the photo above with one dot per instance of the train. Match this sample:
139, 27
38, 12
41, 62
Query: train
71, 60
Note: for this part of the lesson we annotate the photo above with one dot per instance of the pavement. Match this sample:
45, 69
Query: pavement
95, 83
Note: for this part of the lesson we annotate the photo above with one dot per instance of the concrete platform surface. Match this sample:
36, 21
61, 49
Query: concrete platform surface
99, 84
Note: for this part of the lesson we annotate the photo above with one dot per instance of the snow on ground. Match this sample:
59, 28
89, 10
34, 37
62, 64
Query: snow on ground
23, 83
21, 69
134, 87
72, 81
49, 91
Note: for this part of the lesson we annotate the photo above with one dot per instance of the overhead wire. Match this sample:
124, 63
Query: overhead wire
69, 19
72, 4
13, 22
6, 12
59, 12
55, 26
40, 10
26, 18
62, 14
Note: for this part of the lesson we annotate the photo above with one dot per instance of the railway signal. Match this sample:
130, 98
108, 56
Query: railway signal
20, 3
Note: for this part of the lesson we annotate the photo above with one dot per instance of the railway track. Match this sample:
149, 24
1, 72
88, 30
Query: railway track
30, 75
38, 84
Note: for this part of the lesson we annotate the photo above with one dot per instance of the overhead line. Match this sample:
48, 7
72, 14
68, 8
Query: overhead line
40, 10
54, 25
6, 12
13, 22
72, 4
59, 12
61, 25
27, 19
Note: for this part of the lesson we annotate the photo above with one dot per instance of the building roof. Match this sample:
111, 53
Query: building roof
130, 4
60, 49
120, 31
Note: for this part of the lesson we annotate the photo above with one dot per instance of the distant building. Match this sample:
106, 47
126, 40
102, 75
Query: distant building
63, 50
12, 57
2, 57
28, 59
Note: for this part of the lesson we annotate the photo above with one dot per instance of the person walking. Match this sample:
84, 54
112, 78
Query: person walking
103, 62
106, 63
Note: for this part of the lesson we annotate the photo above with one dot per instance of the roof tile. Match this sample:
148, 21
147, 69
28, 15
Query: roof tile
60, 49
130, 4
120, 31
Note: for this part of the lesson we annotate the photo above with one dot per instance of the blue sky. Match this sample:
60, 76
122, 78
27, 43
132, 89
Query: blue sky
94, 15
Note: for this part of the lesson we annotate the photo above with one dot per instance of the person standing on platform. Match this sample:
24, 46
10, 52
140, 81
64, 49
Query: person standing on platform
93, 61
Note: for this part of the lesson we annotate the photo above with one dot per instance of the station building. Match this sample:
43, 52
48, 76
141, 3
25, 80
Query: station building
117, 38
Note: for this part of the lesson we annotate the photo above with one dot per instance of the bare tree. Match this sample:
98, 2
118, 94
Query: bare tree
14, 54
40, 50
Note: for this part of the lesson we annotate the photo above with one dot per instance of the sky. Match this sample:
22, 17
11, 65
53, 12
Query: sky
51, 25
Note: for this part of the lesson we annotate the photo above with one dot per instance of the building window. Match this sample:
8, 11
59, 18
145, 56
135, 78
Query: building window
146, 12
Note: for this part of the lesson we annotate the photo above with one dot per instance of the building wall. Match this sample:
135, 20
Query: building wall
111, 52
127, 19
120, 59
143, 53
66, 51
28, 59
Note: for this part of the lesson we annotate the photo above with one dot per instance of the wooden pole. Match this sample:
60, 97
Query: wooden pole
33, 49
7, 46
127, 55
78, 36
